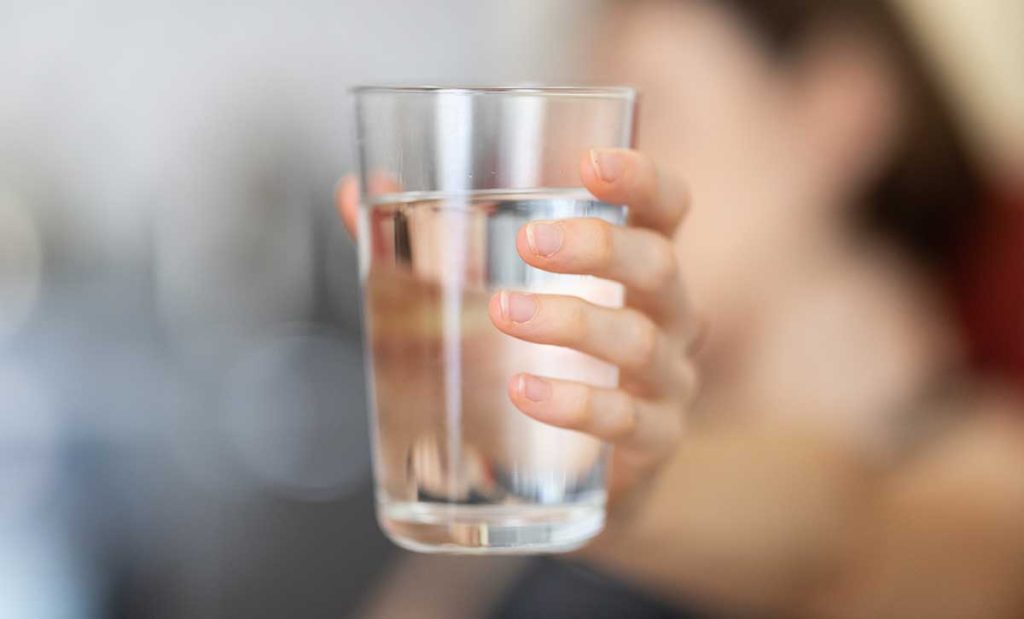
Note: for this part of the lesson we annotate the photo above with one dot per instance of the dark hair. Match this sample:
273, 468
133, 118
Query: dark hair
927, 199
928, 196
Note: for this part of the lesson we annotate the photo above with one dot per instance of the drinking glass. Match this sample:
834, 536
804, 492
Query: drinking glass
448, 176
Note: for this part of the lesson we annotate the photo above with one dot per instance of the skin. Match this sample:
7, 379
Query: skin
648, 340
790, 486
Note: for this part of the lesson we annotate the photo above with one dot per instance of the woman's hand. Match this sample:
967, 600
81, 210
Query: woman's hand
649, 340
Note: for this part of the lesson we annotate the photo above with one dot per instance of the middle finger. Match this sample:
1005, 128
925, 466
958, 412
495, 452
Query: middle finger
642, 260
624, 337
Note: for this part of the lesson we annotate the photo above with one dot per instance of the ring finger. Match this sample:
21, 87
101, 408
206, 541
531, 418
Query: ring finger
623, 337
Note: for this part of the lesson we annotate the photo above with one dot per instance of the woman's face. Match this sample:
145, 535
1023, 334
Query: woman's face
717, 111
775, 154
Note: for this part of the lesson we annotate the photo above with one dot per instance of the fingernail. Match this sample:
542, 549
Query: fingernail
544, 239
533, 388
607, 164
516, 307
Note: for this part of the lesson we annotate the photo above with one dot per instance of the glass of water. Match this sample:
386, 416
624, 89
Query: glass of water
448, 176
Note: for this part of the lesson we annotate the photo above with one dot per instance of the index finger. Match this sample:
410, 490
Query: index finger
622, 176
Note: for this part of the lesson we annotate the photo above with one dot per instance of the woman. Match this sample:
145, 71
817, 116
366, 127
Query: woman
840, 448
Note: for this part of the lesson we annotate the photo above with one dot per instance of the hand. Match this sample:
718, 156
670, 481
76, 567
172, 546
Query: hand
650, 340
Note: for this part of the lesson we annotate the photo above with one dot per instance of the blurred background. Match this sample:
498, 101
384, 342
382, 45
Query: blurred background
182, 417
182, 414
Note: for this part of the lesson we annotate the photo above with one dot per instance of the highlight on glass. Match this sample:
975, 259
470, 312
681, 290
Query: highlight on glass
448, 177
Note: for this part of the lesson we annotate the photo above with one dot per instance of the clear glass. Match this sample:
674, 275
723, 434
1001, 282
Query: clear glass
449, 175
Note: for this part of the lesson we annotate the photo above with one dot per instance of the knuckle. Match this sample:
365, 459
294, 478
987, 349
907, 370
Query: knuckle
662, 268
685, 198
625, 416
574, 322
583, 409
686, 381
671, 427
599, 235
678, 192
644, 174
645, 342
675, 195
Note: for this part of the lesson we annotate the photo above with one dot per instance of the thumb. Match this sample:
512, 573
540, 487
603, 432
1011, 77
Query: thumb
346, 200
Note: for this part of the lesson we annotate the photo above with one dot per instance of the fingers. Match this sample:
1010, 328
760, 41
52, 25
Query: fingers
642, 260
611, 415
619, 176
624, 337
346, 196
346, 200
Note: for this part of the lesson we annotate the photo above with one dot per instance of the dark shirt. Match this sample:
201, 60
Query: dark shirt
562, 590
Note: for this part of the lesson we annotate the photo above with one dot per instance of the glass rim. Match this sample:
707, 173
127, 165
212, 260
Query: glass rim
627, 93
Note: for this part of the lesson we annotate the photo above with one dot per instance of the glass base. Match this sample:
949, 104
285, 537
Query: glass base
489, 529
